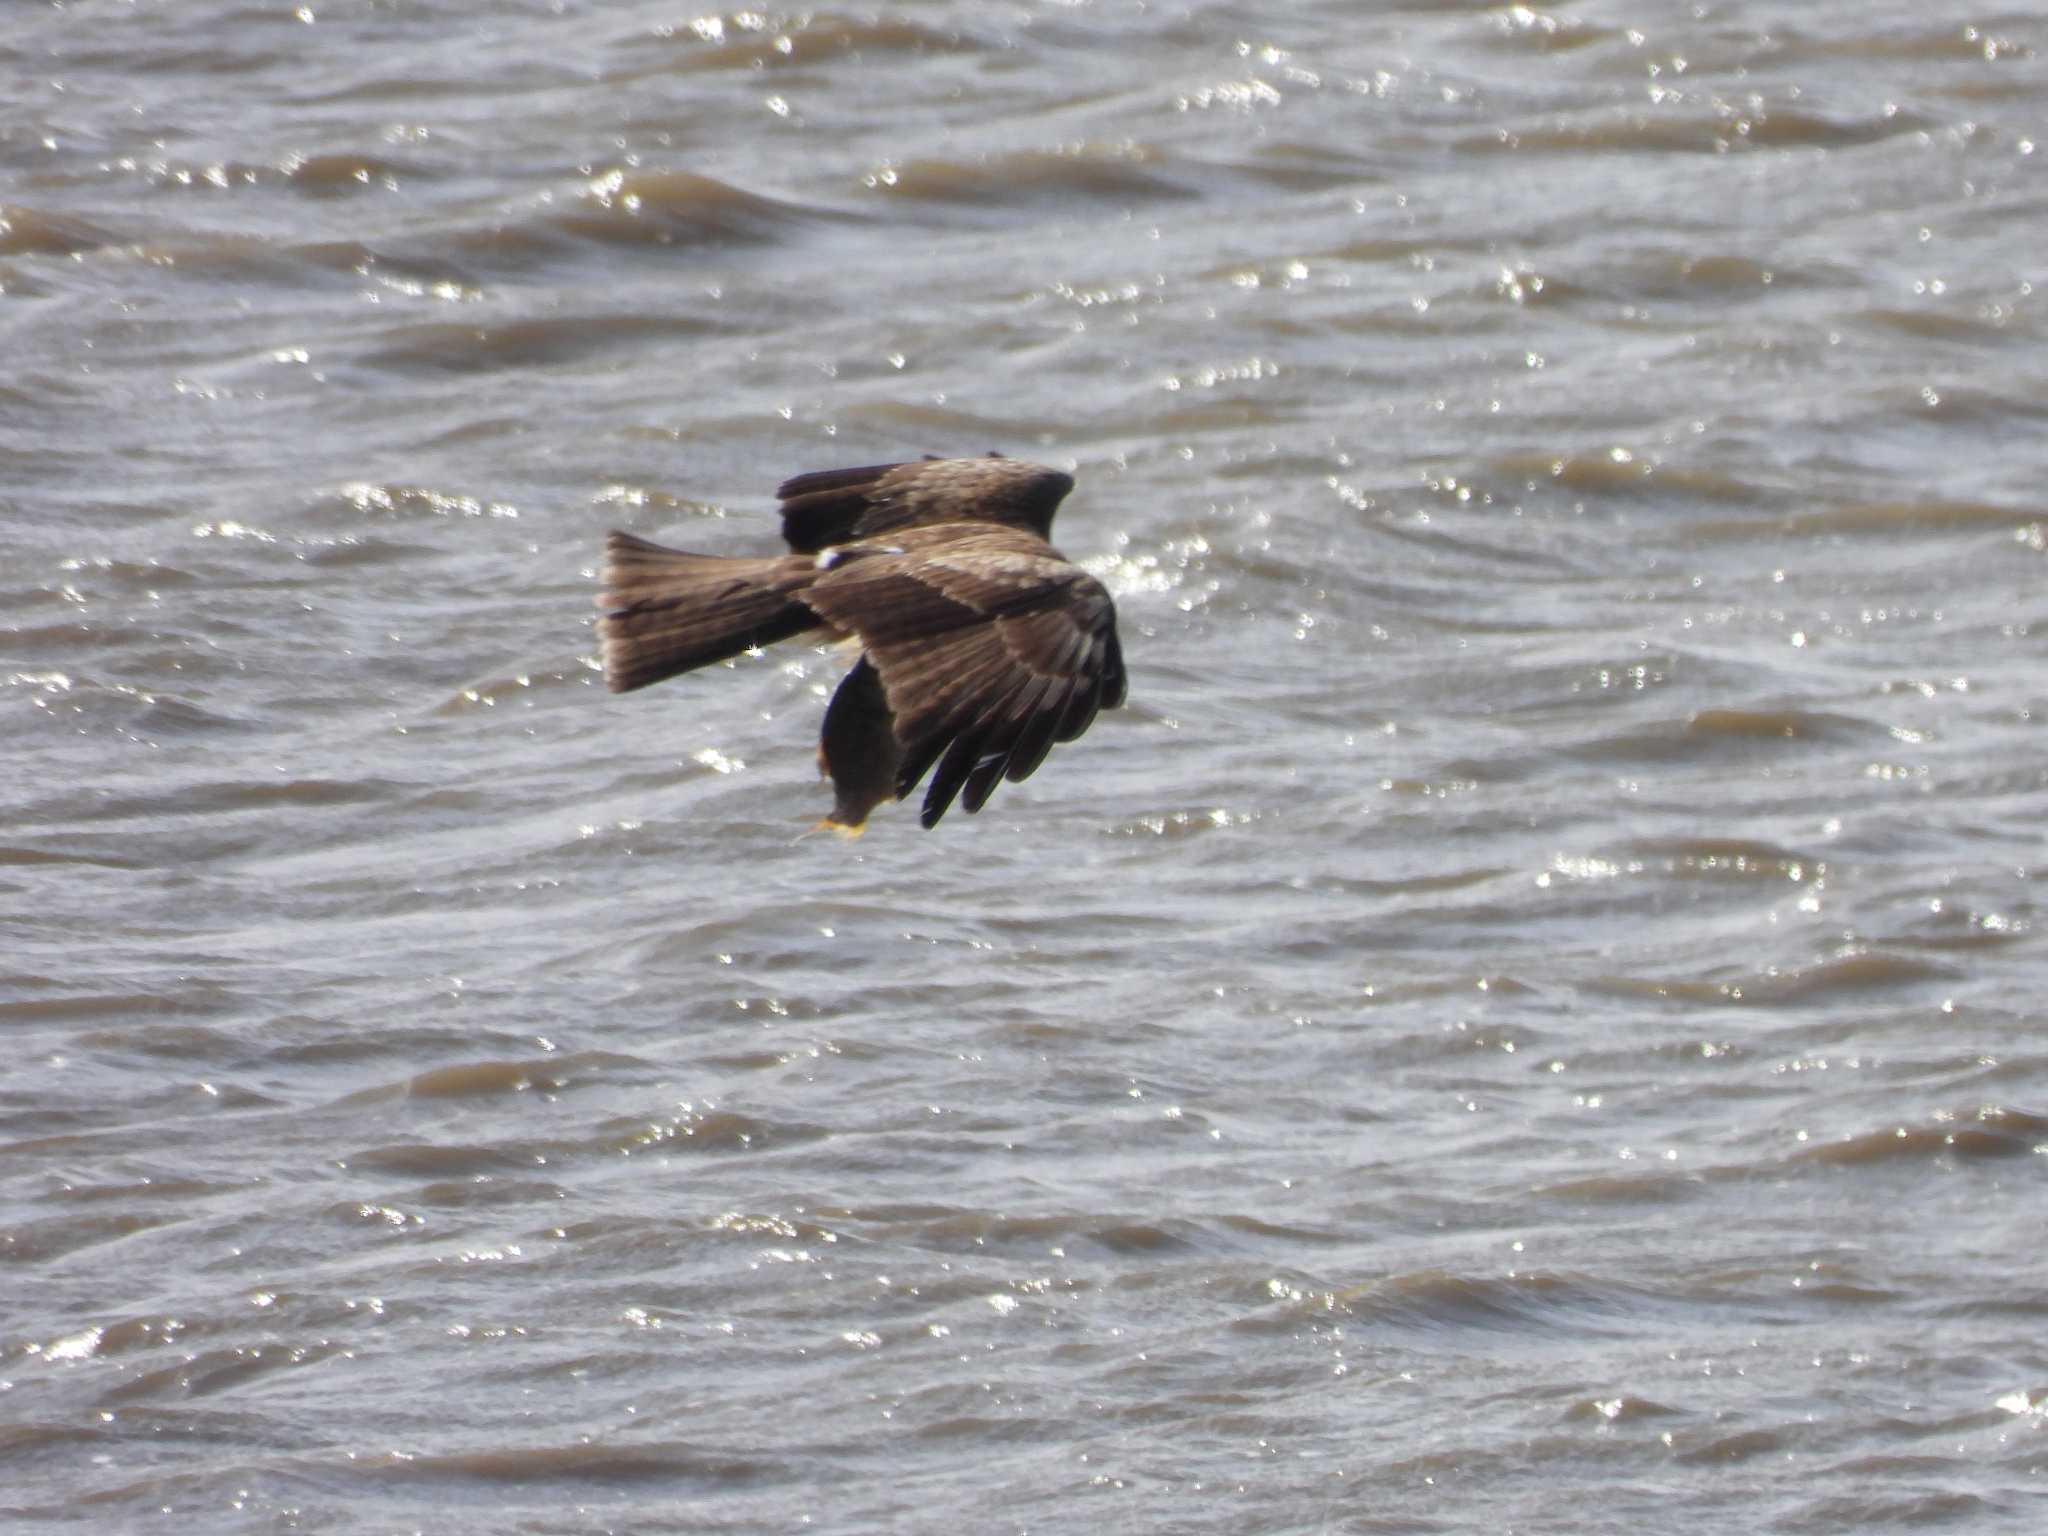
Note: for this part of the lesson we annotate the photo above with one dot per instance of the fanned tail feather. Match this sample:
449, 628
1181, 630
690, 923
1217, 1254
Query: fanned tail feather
667, 611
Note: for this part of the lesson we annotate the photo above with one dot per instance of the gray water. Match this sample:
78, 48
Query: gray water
1528, 1021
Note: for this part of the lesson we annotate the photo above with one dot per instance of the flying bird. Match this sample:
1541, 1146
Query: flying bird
981, 645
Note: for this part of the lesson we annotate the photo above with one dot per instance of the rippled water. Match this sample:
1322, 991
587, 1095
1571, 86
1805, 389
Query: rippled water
1528, 1021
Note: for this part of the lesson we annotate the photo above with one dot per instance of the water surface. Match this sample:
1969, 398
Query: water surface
1529, 1020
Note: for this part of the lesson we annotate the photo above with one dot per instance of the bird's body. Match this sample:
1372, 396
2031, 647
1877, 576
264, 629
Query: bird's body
981, 645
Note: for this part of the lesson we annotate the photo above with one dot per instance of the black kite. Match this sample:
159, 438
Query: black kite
981, 644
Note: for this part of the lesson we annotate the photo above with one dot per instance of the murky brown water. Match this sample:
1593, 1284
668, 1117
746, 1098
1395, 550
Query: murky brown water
1530, 1021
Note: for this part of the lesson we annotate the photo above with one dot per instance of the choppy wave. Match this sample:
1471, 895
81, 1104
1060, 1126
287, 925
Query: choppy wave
1835, 979
26, 231
761, 40
1711, 128
674, 208
1619, 471
1076, 175
448, 346
1991, 1133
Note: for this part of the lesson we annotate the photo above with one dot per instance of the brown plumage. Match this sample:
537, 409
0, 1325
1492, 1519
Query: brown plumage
981, 645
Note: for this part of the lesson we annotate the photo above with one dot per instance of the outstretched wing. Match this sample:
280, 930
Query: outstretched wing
836, 506
989, 645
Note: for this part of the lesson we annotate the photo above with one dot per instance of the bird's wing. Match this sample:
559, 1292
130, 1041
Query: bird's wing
836, 506
990, 648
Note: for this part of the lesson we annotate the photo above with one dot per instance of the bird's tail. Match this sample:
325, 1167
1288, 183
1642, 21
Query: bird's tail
668, 612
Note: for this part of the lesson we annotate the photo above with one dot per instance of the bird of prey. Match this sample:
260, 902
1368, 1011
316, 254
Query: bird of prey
981, 644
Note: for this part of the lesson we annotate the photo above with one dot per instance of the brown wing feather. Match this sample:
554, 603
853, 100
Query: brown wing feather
990, 648
838, 506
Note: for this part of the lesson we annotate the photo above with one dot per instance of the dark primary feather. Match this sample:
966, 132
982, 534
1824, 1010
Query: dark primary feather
990, 646
983, 646
837, 506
